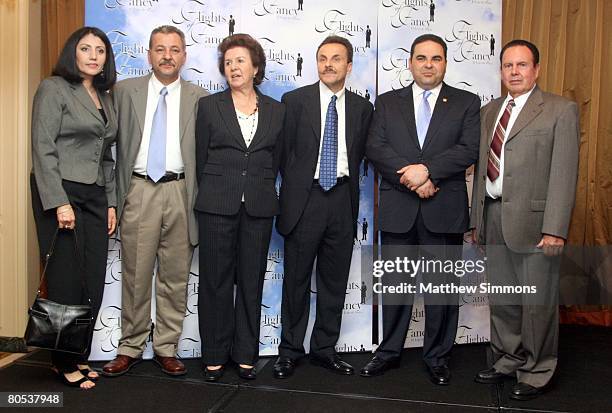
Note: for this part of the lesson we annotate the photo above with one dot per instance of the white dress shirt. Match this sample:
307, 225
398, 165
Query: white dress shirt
174, 159
417, 96
494, 189
326, 94
248, 127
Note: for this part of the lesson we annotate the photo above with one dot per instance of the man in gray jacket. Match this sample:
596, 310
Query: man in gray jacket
156, 188
524, 189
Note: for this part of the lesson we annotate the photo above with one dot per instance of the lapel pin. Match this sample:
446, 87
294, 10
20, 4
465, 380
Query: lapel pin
444, 100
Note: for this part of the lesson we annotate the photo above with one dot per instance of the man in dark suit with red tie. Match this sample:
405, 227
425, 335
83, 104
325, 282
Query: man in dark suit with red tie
422, 139
325, 132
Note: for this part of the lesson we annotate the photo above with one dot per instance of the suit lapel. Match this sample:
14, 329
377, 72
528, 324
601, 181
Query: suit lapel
263, 122
139, 101
532, 108
84, 99
407, 111
105, 100
313, 107
228, 113
440, 111
350, 120
188, 101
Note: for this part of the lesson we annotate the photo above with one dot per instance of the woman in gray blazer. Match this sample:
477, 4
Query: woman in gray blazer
72, 180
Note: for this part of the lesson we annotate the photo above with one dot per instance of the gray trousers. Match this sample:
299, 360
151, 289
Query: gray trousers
524, 327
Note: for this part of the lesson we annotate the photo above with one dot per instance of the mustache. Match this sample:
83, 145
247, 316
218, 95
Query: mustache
329, 71
166, 61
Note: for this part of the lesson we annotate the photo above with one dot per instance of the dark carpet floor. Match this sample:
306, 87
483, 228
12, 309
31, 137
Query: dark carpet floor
583, 384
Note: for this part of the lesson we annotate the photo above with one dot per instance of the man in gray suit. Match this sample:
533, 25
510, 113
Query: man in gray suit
524, 188
156, 187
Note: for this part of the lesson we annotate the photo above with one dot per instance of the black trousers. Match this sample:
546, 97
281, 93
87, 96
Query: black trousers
233, 249
441, 312
324, 232
64, 273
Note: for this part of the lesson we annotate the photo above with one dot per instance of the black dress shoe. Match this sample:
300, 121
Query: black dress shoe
333, 363
377, 366
247, 373
524, 391
213, 375
439, 375
284, 367
490, 376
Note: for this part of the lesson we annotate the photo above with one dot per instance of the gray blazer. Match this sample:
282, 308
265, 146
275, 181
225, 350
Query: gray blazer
130, 98
71, 141
540, 170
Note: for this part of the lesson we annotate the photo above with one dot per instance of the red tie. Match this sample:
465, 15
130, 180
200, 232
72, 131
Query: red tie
497, 142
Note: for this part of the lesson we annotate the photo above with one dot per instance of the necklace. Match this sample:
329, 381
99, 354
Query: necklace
253, 117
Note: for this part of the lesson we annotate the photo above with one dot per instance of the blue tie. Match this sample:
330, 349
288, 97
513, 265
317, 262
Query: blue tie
329, 152
156, 161
423, 118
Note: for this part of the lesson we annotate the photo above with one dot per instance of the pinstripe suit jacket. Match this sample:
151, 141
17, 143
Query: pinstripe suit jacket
226, 168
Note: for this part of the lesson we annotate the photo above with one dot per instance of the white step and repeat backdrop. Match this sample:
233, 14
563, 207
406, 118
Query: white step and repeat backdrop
287, 30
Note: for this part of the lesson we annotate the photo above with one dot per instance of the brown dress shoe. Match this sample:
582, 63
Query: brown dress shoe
120, 365
170, 365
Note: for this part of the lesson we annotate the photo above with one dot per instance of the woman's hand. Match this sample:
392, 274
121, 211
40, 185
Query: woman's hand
65, 216
112, 220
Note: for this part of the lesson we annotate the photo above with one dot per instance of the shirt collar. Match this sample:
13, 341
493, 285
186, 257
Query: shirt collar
326, 93
519, 101
158, 86
418, 91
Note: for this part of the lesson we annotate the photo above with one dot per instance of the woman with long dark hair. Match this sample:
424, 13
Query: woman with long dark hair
72, 180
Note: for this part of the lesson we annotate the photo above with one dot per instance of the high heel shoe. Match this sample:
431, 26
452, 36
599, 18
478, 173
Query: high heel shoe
247, 373
87, 370
213, 375
76, 383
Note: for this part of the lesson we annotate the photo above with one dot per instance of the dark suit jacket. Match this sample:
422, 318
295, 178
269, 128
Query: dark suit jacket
450, 147
226, 168
302, 132
71, 141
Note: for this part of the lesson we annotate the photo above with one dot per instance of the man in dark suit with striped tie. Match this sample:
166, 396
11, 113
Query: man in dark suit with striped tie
325, 131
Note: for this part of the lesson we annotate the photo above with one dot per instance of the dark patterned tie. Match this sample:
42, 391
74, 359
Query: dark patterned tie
497, 142
329, 153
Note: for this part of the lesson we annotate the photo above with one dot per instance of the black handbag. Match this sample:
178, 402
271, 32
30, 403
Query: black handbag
60, 327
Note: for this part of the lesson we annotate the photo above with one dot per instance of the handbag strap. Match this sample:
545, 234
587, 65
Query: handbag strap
78, 257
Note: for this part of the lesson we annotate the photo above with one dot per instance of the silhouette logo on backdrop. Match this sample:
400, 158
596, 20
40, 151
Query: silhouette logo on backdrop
202, 25
271, 8
415, 14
